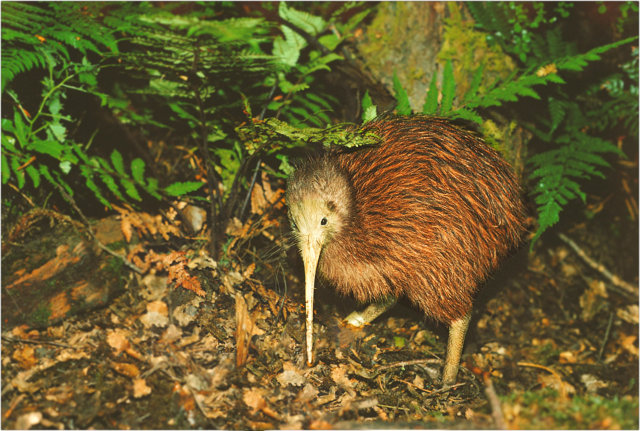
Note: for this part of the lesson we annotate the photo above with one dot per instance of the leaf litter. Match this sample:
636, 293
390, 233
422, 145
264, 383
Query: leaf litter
197, 343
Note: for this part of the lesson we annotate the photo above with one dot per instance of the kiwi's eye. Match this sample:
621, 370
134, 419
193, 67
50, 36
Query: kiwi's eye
323, 221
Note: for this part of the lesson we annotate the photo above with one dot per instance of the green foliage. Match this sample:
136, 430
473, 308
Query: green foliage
576, 156
369, 111
403, 107
511, 25
35, 35
191, 74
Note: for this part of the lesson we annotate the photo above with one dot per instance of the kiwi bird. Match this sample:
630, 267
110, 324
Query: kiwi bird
427, 213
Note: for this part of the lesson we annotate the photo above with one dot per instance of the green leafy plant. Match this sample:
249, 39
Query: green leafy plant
188, 75
577, 156
38, 144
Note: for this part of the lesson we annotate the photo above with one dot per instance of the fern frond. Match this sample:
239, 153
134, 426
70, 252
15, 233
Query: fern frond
556, 171
35, 35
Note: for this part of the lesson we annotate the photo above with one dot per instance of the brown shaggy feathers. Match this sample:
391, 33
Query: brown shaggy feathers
428, 214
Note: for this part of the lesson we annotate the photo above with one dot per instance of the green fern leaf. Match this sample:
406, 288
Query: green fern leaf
403, 107
118, 163
87, 173
369, 110
6, 171
430, 106
137, 170
112, 186
130, 189
448, 88
182, 188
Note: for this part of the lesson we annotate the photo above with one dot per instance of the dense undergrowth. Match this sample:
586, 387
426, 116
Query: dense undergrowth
131, 105
86, 86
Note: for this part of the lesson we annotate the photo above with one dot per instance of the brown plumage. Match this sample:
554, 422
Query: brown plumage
427, 214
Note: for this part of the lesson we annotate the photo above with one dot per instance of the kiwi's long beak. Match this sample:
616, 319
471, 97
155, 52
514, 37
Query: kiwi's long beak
310, 254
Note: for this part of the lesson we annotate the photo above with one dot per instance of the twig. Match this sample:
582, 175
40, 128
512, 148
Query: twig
406, 363
14, 403
606, 336
542, 367
50, 343
446, 388
494, 402
617, 281
253, 183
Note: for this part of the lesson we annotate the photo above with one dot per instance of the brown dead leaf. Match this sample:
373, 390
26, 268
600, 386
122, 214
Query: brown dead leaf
175, 263
145, 224
306, 394
186, 313
157, 315
591, 300
320, 424
567, 357
629, 314
254, 398
553, 381
249, 271
628, 343
592, 383
21, 332
126, 228
291, 375
25, 357
339, 375
72, 355
117, 339
170, 335
140, 388
27, 420
126, 369
258, 200
263, 196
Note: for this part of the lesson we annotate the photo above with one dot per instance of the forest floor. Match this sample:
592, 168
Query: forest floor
552, 344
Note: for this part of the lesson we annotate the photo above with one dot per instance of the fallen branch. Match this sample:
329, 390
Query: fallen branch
614, 279
72, 201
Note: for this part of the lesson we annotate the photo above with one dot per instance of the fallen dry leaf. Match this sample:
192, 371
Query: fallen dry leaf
291, 375
254, 399
140, 388
25, 357
306, 394
339, 375
186, 313
628, 343
170, 335
157, 315
629, 314
117, 339
28, 420
126, 369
